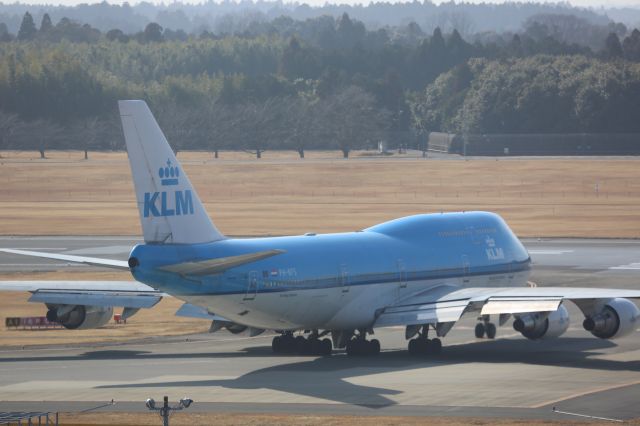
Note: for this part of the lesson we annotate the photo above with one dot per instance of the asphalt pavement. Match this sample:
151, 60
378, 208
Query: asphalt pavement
506, 377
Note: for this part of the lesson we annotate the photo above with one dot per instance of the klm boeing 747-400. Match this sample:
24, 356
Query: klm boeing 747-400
422, 272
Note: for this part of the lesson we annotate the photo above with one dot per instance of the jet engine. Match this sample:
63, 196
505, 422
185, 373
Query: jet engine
616, 318
235, 328
540, 325
80, 317
232, 327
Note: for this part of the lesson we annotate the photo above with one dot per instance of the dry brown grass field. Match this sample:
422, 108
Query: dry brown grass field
282, 194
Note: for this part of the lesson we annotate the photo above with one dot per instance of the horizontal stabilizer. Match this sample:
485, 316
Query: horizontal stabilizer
93, 261
217, 265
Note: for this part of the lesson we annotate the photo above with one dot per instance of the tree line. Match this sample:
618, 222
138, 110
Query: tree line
235, 17
323, 83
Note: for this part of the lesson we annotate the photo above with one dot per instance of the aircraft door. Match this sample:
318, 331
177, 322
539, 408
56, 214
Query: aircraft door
402, 279
465, 268
252, 286
344, 278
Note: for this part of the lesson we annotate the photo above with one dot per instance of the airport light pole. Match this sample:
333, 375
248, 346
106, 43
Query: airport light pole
165, 411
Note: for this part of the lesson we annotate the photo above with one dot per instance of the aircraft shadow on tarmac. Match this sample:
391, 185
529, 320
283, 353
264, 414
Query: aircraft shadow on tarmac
329, 378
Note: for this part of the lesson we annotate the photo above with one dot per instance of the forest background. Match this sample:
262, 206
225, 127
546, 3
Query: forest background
268, 75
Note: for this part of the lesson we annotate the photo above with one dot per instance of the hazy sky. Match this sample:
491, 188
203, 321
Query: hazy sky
583, 3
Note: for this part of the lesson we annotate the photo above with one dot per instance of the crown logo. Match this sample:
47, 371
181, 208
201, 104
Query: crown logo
490, 241
169, 174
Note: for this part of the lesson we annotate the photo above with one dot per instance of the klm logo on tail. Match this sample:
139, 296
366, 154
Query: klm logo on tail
168, 203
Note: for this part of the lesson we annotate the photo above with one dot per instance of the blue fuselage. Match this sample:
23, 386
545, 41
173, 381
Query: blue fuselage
409, 252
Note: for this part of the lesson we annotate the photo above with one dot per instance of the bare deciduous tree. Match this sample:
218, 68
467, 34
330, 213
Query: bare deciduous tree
260, 125
180, 125
10, 125
89, 133
302, 124
351, 119
41, 135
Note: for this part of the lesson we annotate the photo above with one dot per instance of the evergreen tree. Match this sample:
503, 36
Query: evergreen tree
27, 28
46, 25
117, 35
5, 36
631, 46
153, 33
613, 48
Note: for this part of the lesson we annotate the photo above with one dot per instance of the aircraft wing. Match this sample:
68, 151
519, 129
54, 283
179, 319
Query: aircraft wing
94, 261
447, 304
128, 294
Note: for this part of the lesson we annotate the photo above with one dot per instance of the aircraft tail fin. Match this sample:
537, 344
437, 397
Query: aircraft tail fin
170, 209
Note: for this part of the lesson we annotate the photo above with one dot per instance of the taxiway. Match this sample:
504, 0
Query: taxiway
506, 377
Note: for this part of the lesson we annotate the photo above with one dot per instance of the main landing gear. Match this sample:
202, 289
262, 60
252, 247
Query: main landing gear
485, 328
299, 345
422, 345
360, 346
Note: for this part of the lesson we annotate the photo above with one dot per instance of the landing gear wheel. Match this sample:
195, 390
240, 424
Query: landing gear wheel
352, 348
314, 346
490, 329
288, 344
436, 346
479, 331
361, 347
301, 345
374, 347
413, 347
276, 345
284, 344
325, 347
422, 346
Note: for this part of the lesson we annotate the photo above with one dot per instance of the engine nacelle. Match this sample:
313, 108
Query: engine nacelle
539, 325
235, 328
80, 317
616, 318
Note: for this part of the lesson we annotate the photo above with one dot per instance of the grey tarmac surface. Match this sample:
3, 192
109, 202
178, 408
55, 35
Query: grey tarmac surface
507, 377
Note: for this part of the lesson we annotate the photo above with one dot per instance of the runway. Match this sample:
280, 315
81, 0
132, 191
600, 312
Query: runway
508, 377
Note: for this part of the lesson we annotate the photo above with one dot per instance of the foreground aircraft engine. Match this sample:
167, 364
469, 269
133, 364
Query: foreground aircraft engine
232, 327
539, 325
616, 318
80, 317
235, 328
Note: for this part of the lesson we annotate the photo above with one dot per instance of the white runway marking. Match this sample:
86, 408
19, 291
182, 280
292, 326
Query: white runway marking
550, 252
37, 248
36, 265
628, 267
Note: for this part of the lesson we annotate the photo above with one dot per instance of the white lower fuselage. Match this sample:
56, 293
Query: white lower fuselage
339, 308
